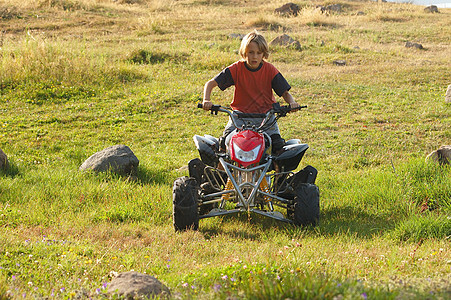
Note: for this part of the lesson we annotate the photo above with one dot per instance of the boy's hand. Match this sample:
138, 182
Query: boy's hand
294, 105
290, 100
207, 104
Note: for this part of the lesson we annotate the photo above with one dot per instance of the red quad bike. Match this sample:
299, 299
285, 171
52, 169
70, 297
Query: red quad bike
247, 176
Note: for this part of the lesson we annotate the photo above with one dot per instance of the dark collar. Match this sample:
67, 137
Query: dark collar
253, 70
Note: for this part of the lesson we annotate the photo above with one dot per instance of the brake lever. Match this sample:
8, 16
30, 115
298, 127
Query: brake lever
214, 109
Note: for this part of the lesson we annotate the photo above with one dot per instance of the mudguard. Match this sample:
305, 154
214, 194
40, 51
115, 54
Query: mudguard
292, 142
213, 139
291, 156
207, 147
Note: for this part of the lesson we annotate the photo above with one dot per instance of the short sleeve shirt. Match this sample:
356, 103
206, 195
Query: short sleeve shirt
253, 88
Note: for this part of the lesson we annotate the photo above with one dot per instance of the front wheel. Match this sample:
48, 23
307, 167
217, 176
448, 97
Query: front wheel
185, 204
306, 205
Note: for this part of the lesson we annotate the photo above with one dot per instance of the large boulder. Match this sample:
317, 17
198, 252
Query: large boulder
286, 41
134, 285
441, 155
117, 159
3, 161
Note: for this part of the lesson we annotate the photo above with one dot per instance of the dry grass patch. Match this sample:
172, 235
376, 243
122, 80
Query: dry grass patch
312, 16
8, 12
264, 23
401, 12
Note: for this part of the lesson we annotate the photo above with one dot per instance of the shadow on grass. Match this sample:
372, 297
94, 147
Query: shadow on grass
151, 176
355, 222
252, 227
338, 220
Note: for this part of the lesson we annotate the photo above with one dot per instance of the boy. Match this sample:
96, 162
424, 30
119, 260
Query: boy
254, 79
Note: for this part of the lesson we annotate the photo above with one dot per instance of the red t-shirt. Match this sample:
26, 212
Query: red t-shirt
253, 88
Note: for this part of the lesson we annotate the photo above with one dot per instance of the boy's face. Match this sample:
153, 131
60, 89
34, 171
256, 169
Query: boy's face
253, 55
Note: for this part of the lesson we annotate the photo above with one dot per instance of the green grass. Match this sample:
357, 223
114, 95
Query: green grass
79, 76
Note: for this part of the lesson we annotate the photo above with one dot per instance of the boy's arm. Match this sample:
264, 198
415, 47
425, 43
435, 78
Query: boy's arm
290, 100
206, 103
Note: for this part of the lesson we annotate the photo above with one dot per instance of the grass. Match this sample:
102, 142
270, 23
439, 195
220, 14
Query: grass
79, 76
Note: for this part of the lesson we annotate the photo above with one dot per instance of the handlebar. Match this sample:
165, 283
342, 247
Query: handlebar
277, 110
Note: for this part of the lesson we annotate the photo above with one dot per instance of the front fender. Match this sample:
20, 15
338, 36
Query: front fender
207, 150
291, 156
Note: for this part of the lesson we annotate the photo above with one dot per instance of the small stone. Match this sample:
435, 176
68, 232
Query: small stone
414, 45
237, 36
339, 62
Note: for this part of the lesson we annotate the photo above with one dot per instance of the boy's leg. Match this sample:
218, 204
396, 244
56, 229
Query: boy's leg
277, 143
229, 128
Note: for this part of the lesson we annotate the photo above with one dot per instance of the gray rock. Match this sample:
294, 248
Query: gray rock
448, 94
330, 8
335, 7
340, 62
3, 161
118, 159
134, 285
236, 36
287, 10
287, 41
414, 45
431, 9
441, 155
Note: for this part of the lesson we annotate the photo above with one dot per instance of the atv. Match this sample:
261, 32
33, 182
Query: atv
243, 174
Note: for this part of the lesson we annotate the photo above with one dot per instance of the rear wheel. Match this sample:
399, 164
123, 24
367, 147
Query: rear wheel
305, 210
185, 204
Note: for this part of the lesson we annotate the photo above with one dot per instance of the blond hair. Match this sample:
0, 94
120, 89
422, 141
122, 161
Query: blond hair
256, 37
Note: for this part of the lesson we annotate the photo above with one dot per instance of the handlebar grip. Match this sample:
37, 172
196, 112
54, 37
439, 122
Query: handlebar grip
297, 108
214, 108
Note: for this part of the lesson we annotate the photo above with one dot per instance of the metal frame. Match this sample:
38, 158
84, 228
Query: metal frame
245, 200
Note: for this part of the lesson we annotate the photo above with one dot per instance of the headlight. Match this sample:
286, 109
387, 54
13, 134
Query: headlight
246, 156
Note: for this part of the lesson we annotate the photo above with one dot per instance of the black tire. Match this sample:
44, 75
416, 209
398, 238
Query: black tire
185, 204
306, 205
